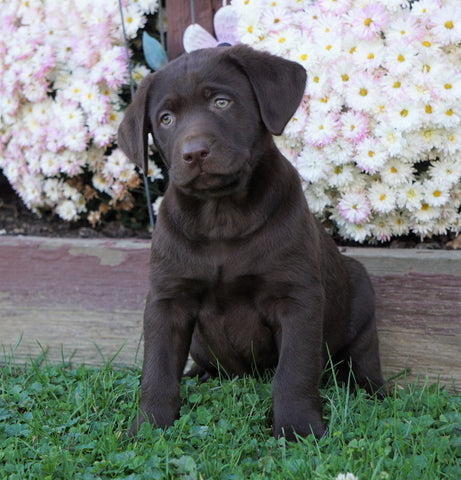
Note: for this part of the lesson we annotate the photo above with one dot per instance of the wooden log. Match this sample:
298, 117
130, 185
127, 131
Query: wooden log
85, 298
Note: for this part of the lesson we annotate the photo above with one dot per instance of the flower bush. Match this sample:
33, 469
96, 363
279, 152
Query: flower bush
377, 139
62, 66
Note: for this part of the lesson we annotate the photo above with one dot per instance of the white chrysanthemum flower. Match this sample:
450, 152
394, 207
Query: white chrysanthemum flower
369, 55
425, 9
429, 138
362, 92
276, 18
127, 173
405, 115
334, 6
425, 213
69, 114
116, 163
104, 134
318, 81
304, 53
70, 193
100, 183
76, 140
281, 42
399, 223
419, 92
321, 130
156, 205
295, 126
354, 126
134, 20
153, 171
317, 198
49, 164
53, 190
450, 141
381, 228
436, 193
447, 171
382, 197
42, 111
312, 164
404, 28
249, 27
328, 46
342, 175
371, 155
339, 152
139, 72
247, 7
341, 73
357, 232
147, 6
446, 24
394, 6
390, 138
67, 210
449, 88
448, 221
410, 196
396, 172
11, 172
331, 102
400, 59
446, 114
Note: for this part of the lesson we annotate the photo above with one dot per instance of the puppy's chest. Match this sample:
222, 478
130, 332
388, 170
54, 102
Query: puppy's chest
223, 294
234, 323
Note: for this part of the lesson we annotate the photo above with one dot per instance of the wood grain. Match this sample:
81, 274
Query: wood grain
84, 299
178, 14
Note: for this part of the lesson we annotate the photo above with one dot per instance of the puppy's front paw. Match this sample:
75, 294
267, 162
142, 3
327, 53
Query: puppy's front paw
135, 426
302, 426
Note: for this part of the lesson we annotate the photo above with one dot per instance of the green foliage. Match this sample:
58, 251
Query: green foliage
62, 423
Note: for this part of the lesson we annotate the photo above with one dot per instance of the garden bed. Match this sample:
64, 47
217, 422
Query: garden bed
84, 299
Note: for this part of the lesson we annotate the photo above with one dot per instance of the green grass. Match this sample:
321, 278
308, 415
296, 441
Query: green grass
58, 422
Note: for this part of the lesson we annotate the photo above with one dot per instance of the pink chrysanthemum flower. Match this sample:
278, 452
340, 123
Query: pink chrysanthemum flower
407, 29
275, 19
321, 130
354, 207
447, 24
368, 22
354, 126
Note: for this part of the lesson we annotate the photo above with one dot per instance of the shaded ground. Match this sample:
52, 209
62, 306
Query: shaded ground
16, 219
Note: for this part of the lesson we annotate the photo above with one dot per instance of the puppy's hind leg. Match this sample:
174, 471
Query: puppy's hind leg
363, 350
202, 368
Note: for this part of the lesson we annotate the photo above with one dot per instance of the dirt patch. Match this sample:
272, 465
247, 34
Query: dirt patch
16, 219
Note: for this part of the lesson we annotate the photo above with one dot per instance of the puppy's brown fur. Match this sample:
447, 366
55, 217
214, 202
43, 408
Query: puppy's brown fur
241, 272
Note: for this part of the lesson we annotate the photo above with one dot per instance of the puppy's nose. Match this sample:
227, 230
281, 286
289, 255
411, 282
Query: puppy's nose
195, 152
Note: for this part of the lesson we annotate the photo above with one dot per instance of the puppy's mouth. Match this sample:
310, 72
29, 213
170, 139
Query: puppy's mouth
211, 184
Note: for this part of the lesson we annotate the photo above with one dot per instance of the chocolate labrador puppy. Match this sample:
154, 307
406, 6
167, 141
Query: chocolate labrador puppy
241, 273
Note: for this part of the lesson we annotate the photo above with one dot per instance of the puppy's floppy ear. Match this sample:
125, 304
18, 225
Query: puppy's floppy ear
135, 126
277, 83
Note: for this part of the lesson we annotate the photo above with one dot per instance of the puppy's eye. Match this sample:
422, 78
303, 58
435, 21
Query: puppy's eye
221, 103
167, 119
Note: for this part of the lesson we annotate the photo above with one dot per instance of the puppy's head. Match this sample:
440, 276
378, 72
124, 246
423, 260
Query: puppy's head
208, 112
